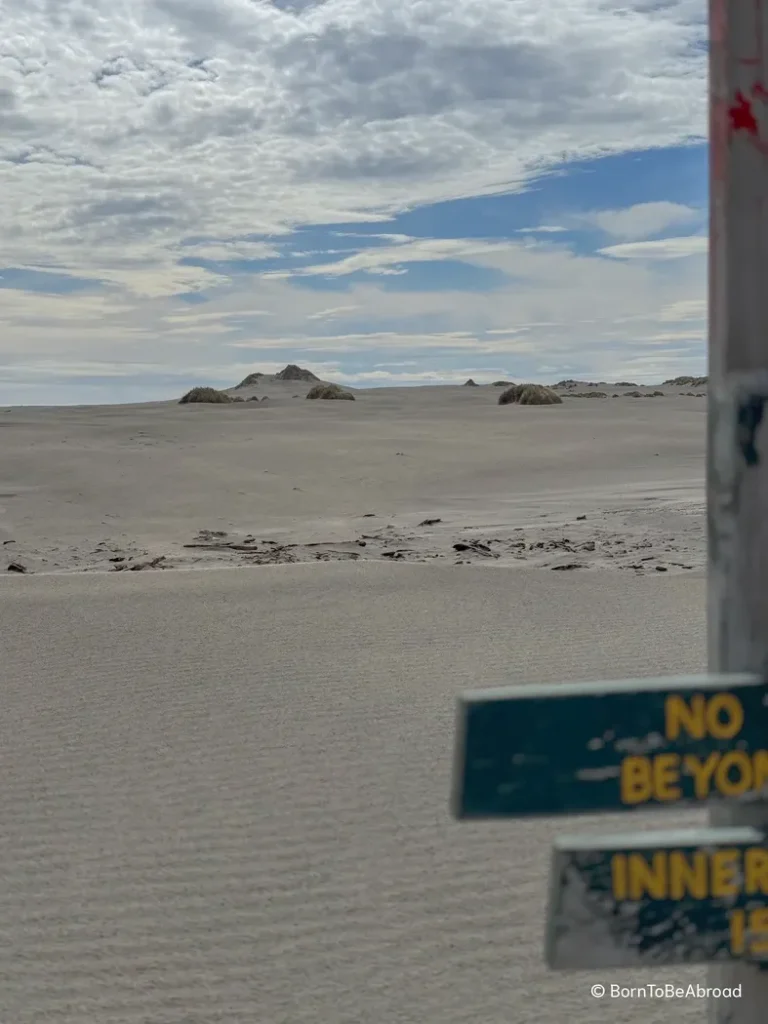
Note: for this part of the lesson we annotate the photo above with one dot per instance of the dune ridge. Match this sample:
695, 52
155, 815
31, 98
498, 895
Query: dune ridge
432, 474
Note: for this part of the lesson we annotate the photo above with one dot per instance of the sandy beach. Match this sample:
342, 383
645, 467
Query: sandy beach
226, 792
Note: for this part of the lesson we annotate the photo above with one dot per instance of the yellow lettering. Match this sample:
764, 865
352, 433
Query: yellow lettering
666, 773
758, 931
760, 769
756, 871
644, 877
724, 704
680, 715
702, 773
686, 879
724, 867
722, 716
724, 780
738, 932
636, 781
734, 787
619, 876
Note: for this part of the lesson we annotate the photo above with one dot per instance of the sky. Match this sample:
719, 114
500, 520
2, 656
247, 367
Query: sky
388, 192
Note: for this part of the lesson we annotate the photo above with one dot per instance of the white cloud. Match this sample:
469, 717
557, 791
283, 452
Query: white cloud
127, 128
544, 229
232, 250
686, 309
133, 136
663, 249
332, 313
642, 220
381, 259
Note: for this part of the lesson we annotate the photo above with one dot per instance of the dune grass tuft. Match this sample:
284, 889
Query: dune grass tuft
330, 391
210, 395
530, 394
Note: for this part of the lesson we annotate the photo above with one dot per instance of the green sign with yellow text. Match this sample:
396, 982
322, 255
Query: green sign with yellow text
611, 746
658, 898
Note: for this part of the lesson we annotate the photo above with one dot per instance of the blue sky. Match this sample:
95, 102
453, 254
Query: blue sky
386, 197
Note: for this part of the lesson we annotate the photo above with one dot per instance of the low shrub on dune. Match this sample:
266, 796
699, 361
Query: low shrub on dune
530, 394
686, 381
330, 391
210, 395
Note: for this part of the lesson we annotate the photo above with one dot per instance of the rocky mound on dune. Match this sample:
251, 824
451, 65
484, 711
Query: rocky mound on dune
250, 380
210, 395
330, 391
530, 394
471, 383
687, 382
293, 372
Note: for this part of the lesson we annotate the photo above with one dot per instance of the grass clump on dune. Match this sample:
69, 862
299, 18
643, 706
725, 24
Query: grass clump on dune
330, 391
685, 381
210, 395
530, 394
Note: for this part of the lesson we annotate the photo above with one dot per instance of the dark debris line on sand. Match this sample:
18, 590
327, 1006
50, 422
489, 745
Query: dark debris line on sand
542, 547
586, 543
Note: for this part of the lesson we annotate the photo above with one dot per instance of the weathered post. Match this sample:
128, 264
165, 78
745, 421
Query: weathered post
737, 484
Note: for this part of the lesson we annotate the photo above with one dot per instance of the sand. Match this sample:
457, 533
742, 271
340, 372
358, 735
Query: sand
226, 793
428, 474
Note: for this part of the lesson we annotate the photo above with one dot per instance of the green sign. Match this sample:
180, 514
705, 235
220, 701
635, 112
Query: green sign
687, 896
614, 746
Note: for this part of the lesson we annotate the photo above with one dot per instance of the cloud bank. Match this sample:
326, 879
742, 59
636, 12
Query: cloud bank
159, 161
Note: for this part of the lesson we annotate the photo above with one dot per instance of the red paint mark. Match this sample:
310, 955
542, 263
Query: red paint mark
759, 91
741, 116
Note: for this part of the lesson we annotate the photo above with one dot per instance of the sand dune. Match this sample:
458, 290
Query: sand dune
407, 474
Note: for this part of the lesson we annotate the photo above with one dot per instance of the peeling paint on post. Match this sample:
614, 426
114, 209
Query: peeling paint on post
586, 748
661, 898
737, 518
738, 390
